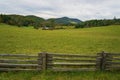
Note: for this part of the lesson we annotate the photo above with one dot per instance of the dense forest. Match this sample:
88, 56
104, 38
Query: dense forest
19, 20
38, 22
95, 23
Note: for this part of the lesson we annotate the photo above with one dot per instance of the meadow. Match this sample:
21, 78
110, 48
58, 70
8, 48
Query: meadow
79, 41
19, 40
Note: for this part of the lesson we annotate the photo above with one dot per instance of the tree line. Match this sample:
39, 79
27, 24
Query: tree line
97, 23
20, 21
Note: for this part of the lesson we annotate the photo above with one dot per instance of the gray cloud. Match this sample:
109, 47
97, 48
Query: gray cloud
82, 9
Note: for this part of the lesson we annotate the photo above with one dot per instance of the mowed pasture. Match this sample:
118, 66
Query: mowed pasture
19, 40
77, 41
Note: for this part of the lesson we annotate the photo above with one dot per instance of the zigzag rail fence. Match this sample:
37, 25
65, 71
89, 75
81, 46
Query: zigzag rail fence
60, 62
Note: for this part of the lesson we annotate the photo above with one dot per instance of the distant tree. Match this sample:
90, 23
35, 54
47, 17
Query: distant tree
80, 25
36, 26
5, 19
0, 18
51, 23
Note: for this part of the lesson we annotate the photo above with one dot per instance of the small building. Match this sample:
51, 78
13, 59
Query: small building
47, 28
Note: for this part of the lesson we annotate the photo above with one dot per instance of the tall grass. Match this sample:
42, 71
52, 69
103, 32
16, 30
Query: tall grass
60, 76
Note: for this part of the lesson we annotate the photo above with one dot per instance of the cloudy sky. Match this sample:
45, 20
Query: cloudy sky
81, 9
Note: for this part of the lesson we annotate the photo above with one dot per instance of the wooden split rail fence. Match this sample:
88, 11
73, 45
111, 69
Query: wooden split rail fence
60, 62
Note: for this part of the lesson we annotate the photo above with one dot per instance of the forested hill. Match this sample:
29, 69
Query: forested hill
35, 21
66, 20
34, 18
20, 20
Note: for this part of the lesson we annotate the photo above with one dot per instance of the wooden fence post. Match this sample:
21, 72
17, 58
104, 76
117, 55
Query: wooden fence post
109, 59
104, 56
98, 62
39, 61
50, 61
101, 61
44, 61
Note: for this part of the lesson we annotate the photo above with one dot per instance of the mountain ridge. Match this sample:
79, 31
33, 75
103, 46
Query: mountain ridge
61, 20
66, 20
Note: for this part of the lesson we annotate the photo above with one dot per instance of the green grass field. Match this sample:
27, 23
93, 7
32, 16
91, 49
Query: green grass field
79, 41
60, 76
16, 40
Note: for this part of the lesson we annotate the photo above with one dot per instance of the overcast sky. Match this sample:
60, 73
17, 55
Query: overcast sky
81, 9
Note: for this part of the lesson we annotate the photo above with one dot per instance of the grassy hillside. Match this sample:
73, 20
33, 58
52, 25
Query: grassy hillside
88, 40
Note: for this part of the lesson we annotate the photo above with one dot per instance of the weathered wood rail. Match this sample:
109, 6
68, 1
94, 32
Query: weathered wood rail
60, 62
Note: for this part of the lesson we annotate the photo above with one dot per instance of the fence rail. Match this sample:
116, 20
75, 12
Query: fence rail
60, 62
